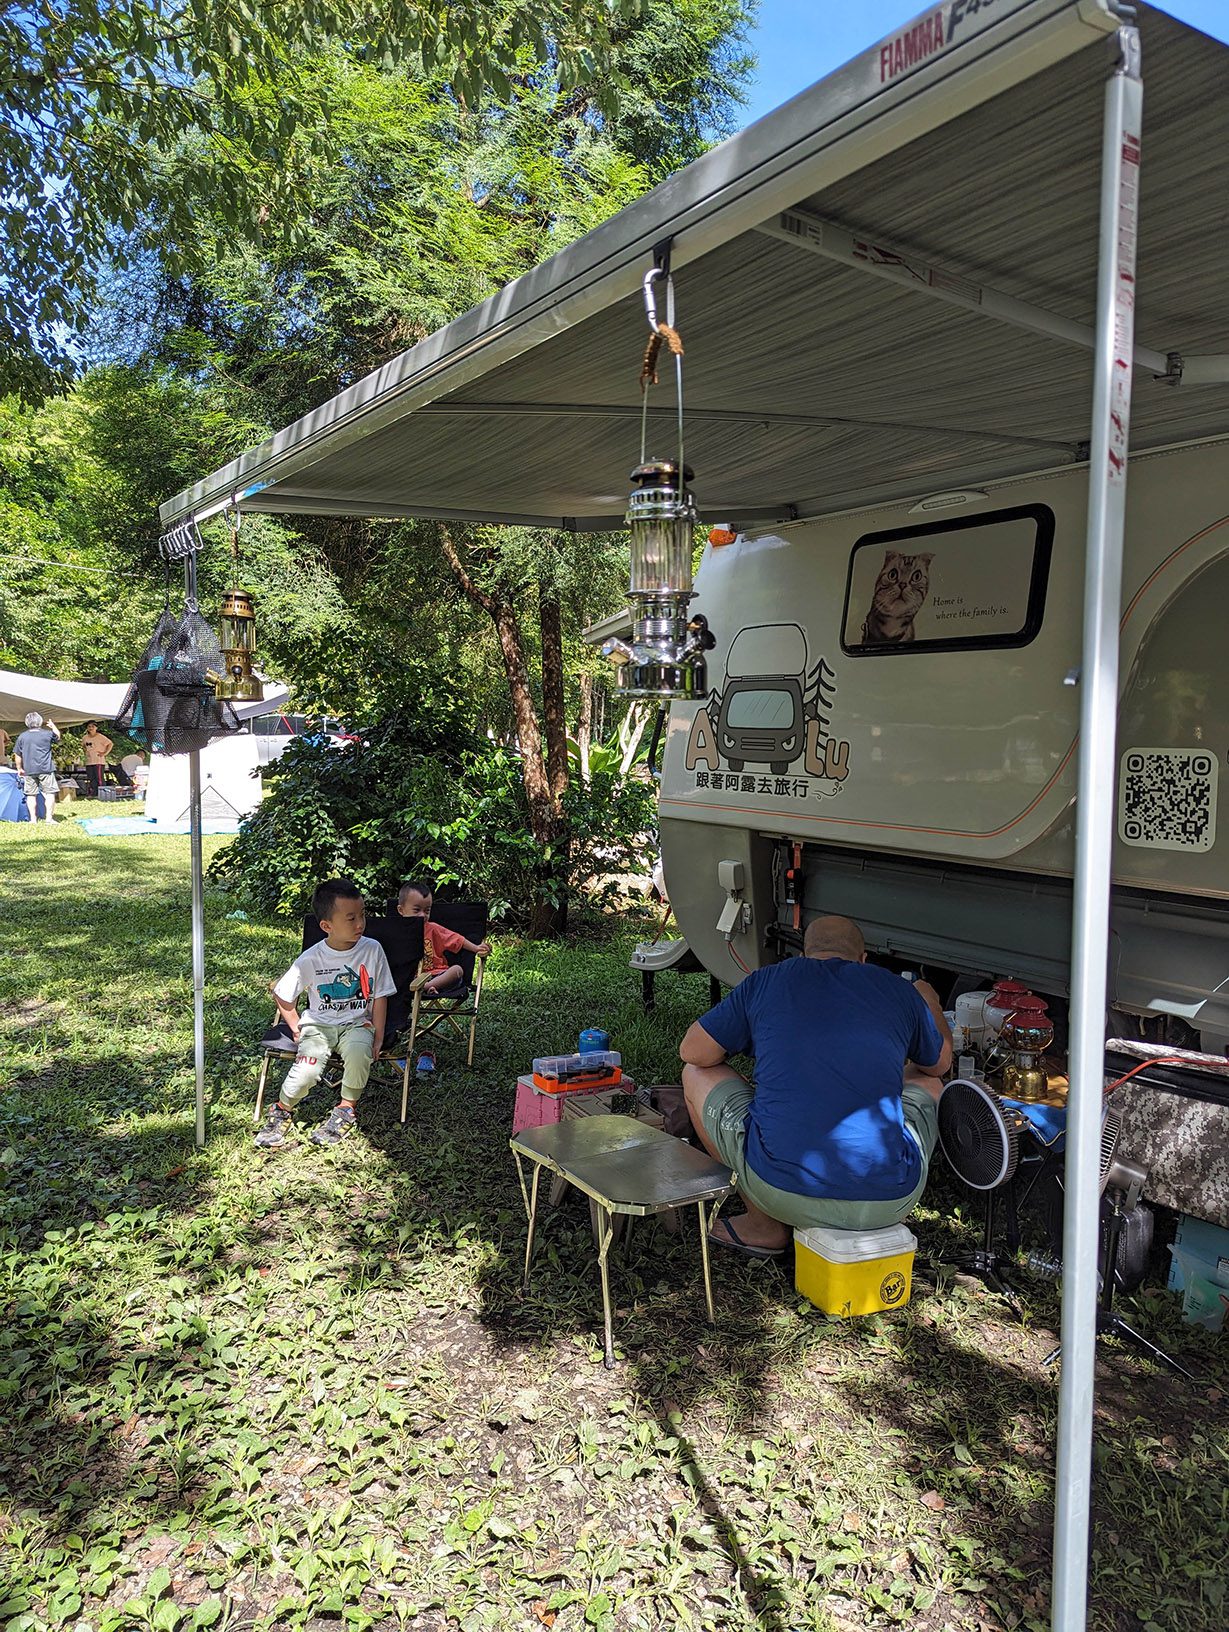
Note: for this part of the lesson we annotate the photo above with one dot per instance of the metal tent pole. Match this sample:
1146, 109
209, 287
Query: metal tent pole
1107, 482
198, 909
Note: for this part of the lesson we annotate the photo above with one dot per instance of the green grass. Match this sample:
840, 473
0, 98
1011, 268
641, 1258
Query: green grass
306, 1391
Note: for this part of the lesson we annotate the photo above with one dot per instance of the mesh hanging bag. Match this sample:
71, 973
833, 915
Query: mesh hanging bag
178, 709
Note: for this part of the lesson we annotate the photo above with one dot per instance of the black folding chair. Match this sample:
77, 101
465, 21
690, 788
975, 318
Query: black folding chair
428, 1013
401, 939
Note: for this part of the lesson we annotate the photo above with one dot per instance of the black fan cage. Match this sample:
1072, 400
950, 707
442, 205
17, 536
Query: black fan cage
171, 706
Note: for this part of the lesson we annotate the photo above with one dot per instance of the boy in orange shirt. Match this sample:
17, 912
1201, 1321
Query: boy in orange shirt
445, 978
414, 901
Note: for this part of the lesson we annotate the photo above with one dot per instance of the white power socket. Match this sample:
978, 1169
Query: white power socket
735, 916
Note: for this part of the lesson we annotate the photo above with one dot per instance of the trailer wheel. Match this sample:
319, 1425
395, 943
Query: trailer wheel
779, 767
735, 764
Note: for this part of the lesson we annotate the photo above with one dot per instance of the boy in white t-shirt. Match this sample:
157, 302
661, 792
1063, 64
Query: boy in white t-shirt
348, 985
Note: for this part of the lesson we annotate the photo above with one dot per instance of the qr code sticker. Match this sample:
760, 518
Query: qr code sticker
1167, 798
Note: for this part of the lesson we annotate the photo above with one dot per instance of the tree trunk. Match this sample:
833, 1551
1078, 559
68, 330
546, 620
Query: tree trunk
553, 712
545, 814
584, 724
630, 734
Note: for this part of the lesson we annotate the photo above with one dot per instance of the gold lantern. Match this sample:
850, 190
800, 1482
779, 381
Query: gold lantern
238, 683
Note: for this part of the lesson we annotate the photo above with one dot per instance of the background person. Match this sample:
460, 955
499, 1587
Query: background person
96, 747
32, 757
841, 1123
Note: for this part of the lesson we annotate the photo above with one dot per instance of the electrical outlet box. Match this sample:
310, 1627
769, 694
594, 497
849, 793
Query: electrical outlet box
731, 876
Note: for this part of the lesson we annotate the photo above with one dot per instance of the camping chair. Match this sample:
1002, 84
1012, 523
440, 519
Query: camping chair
427, 1014
401, 939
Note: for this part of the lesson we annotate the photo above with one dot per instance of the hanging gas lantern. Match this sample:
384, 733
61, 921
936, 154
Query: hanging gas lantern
666, 655
238, 682
237, 637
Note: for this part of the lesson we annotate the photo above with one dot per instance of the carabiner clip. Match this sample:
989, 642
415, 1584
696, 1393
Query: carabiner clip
650, 304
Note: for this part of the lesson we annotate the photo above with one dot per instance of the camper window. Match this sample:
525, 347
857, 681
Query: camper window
967, 582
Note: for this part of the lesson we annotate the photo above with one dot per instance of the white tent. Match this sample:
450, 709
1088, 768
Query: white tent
72, 702
230, 786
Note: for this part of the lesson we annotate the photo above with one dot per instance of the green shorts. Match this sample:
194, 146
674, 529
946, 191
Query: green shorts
725, 1122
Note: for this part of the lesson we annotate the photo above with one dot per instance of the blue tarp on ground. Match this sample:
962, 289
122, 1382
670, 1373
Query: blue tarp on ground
109, 827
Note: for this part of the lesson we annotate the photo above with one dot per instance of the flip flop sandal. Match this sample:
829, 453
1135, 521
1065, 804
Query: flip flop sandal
734, 1243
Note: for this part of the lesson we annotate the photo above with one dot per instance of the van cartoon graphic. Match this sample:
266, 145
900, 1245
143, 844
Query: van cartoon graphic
763, 705
774, 709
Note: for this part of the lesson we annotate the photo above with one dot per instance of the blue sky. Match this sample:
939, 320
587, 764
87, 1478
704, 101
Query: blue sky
799, 41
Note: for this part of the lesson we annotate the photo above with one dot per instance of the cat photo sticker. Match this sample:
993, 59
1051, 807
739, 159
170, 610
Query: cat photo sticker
899, 594
971, 581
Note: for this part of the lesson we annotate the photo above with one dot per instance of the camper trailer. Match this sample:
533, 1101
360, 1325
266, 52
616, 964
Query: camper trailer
891, 732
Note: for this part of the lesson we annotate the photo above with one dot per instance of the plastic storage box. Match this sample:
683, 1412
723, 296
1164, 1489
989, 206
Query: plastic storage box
855, 1272
534, 1109
1196, 1238
577, 1073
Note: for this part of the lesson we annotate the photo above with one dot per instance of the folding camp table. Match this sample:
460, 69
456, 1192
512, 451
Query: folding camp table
625, 1168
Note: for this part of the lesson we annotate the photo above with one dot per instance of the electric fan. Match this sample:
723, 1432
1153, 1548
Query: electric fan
980, 1136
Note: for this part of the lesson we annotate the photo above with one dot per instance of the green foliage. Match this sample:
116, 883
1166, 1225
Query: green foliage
93, 96
421, 793
71, 602
433, 203
81, 584
625, 748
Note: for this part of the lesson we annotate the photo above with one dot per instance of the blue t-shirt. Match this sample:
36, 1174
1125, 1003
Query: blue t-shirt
830, 1040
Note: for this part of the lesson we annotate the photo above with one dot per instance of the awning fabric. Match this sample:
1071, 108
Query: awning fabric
72, 702
971, 149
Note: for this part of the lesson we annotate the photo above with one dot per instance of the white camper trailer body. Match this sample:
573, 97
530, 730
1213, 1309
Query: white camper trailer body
932, 787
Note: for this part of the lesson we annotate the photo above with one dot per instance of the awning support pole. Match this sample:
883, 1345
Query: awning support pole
198, 908
1095, 809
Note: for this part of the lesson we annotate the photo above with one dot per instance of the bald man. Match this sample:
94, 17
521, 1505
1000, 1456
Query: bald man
841, 1123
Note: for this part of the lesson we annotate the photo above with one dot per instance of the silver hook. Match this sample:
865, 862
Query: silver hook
650, 304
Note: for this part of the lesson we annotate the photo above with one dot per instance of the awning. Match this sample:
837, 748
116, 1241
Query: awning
71, 702
836, 265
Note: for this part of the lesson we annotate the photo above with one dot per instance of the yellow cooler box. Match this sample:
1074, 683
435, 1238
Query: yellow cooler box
855, 1272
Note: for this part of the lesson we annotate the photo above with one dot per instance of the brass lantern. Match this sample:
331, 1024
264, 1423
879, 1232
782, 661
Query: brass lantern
238, 682
666, 654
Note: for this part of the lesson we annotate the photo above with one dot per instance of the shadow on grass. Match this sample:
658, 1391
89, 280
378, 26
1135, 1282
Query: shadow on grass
459, 1178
